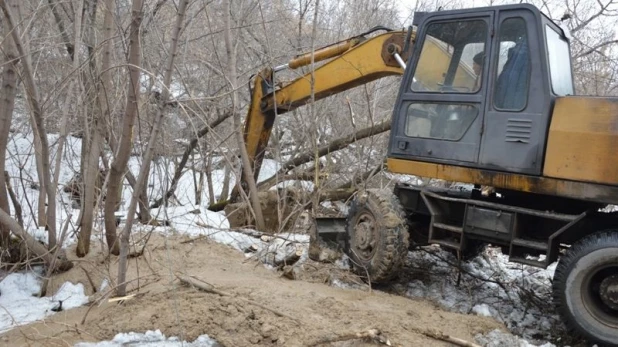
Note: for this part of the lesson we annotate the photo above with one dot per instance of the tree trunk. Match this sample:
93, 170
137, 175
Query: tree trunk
32, 93
309, 156
73, 95
53, 5
54, 263
225, 187
42, 197
333, 146
92, 142
200, 189
7, 99
211, 188
119, 165
144, 209
246, 164
16, 204
156, 128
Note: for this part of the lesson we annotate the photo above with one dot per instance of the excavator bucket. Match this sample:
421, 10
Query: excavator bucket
327, 238
331, 230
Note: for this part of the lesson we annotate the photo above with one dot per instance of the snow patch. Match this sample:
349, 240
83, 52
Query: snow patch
482, 310
517, 295
19, 304
497, 338
151, 339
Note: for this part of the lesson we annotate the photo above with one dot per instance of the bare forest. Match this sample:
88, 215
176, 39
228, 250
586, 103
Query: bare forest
118, 118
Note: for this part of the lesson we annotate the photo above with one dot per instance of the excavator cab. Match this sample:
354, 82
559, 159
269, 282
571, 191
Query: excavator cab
479, 89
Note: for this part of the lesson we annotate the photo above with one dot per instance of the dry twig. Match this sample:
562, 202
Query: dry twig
373, 335
209, 288
438, 335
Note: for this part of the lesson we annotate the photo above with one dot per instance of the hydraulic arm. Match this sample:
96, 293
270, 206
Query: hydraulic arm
354, 62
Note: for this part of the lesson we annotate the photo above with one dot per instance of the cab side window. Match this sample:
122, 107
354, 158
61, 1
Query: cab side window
513, 71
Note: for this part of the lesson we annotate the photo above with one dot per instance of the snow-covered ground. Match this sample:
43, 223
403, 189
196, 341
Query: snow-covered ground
18, 302
20, 305
151, 339
517, 295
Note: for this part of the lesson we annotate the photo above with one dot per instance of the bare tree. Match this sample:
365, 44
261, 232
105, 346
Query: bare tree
32, 92
7, 99
230, 48
94, 130
73, 94
119, 164
156, 128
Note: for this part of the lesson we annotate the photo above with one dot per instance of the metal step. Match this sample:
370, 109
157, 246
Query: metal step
538, 245
450, 244
448, 227
530, 262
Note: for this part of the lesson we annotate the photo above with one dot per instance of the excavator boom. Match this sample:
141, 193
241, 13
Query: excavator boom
354, 62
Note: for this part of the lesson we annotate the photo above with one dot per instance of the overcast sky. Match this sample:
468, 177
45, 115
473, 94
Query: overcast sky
406, 6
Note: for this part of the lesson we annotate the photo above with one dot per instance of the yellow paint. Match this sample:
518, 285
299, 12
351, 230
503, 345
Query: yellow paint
323, 54
255, 122
583, 140
524, 183
357, 66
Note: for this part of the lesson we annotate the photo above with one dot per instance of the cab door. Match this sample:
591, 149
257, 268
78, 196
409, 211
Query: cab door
439, 112
517, 111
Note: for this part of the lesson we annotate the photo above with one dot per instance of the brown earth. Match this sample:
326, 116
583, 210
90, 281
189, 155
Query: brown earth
177, 310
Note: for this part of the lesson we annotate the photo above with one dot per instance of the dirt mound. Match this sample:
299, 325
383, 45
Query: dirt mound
162, 302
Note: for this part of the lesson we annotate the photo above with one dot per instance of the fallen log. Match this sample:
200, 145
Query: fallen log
438, 335
307, 175
306, 157
335, 145
336, 194
209, 288
55, 263
371, 335
364, 177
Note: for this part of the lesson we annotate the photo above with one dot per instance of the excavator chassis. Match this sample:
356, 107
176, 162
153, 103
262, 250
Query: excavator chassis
532, 229
461, 217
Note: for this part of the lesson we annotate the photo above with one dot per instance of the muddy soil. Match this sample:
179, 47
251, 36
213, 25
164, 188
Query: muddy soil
162, 302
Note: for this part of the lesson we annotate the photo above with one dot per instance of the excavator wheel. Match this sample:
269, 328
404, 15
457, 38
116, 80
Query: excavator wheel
377, 235
586, 288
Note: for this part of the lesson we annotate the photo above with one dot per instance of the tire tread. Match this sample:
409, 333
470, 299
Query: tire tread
394, 235
590, 243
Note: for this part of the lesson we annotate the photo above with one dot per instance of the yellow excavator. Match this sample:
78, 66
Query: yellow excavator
486, 99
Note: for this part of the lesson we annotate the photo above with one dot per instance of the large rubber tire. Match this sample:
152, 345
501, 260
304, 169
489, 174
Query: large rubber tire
577, 282
377, 231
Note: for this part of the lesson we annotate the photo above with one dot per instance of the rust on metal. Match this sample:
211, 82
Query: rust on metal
398, 40
531, 184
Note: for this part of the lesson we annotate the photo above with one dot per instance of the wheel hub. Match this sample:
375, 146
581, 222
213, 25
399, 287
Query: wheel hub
609, 291
365, 236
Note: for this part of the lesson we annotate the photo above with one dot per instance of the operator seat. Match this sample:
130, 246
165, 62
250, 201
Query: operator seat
512, 85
